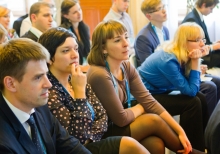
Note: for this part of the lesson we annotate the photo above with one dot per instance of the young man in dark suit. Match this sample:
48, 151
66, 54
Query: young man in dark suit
153, 33
204, 8
27, 126
41, 15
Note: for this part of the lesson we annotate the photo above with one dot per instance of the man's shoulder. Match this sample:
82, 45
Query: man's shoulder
108, 16
190, 17
30, 35
145, 31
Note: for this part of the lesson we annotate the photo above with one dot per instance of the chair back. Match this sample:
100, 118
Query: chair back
17, 24
133, 60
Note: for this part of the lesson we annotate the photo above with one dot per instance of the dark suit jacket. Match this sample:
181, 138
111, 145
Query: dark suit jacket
14, 138
17, 24
30, 35
212, 132
146, 42
212, 60
193, 16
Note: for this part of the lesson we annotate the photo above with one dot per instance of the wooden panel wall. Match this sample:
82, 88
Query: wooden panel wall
94, 11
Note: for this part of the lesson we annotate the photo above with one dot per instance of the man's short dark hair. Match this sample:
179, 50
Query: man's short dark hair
208, 3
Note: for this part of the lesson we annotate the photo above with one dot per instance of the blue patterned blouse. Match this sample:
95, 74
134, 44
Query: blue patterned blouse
83, 118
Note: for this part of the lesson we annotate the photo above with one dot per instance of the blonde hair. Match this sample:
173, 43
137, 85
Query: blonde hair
178, 46
4, 11
104, 31
148, 6
3, 32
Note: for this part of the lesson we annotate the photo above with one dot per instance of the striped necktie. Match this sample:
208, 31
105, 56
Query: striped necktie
36, 138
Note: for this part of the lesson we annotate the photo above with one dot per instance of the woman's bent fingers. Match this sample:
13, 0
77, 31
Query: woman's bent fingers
186, 144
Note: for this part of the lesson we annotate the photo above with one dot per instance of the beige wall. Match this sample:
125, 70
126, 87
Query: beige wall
138, 18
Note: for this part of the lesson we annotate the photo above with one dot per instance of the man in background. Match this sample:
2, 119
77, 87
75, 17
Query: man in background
26, 23
204, 8
118, 12
41, 15
154, 33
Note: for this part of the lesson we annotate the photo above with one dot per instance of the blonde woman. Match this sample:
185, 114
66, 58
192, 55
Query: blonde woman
176, 66
5, 20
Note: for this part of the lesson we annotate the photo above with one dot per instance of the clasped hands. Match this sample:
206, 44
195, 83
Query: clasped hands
198, 53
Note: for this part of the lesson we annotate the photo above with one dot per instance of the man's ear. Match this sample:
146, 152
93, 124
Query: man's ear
50, 62
10, 83
203, 5
148, 16
33, 17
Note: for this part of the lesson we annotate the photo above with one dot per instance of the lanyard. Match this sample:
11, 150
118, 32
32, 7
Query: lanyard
164, 36
91, 109
116, 85
88, 104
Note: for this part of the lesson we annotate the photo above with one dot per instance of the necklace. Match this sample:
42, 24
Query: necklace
70, 87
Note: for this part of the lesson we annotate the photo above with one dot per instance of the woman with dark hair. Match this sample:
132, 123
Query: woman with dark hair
72, 20
72, 101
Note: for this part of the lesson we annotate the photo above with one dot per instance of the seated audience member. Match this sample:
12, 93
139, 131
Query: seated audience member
27, 126
41, 15
83, 115
154, 33
150, 37
26, 23
212, 132
5, 21
118, 12
176, 66
204, 8
3, 34
113, 79
72, 19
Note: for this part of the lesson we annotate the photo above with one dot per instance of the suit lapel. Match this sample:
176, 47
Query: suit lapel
153, 34
21, 134
45, 134
202, 24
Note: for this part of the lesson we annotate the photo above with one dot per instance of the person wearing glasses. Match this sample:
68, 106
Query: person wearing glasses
204, 8
172, 75
151, 36
154, 33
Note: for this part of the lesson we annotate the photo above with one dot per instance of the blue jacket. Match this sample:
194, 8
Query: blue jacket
14, 138
161, 72
146, 42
